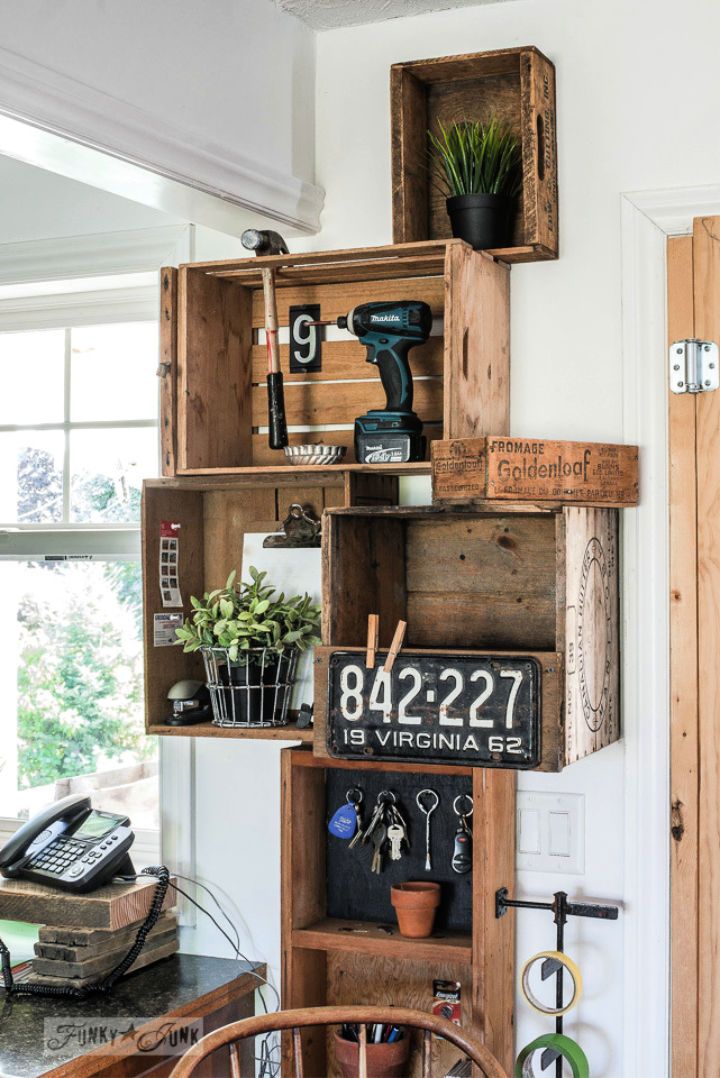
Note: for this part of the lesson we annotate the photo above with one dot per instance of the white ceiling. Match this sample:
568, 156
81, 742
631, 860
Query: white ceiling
330, 14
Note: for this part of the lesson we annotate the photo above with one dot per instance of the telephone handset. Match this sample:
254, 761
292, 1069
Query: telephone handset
70, 845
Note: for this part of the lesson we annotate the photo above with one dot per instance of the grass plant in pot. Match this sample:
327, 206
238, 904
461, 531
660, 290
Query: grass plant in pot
250, 639
477, 168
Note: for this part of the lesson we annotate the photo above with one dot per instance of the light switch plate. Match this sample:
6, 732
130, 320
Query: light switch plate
550, 832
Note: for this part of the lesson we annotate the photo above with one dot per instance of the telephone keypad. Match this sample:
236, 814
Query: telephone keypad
61, 854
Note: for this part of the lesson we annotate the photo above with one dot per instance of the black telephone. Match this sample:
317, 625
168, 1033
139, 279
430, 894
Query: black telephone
70, 845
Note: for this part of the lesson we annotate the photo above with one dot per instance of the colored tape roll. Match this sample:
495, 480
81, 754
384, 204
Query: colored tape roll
572, 969
569, 1049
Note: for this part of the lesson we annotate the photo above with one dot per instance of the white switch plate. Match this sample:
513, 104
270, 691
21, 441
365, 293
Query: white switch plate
550, 832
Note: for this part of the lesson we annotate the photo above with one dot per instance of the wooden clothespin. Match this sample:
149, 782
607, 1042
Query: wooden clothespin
397, 643
373, 635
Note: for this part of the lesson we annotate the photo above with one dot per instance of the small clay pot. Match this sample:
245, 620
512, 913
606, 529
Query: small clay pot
415, 903
383, 1060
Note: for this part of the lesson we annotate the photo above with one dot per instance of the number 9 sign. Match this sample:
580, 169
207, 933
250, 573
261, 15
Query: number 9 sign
305, 343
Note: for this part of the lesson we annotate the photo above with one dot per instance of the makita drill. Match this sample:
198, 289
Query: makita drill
389, 331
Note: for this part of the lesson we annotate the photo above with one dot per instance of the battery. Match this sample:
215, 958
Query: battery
388, 438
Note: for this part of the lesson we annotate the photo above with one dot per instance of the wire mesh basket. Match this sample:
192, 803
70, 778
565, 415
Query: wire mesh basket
254, 691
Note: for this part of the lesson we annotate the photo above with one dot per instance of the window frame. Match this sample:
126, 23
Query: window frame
103, 541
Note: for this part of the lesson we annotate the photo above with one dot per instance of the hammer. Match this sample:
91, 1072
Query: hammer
264, 242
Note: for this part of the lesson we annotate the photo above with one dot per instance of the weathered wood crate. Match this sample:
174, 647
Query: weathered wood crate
214, 362
518, 580
214, 513
332, 960
465, 470
517, 86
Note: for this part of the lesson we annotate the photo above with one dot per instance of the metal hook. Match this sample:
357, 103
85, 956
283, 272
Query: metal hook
427, 794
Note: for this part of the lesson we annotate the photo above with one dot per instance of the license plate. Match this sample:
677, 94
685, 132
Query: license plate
465, 709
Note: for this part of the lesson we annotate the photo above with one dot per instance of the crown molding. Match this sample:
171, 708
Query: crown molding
65, 108
94, 255
673, 211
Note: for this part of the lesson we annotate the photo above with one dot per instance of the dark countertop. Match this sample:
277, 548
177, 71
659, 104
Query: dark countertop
168, 987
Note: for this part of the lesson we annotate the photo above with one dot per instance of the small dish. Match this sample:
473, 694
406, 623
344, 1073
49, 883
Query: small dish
314, 454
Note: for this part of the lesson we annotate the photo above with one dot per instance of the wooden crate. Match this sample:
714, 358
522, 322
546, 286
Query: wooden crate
327, 961
214, 514
465, 470
213, 364
518, 579
517, 85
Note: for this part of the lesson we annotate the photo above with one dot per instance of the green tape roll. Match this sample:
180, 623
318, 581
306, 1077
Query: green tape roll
566, 1046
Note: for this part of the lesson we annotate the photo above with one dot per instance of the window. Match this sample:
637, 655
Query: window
78, 433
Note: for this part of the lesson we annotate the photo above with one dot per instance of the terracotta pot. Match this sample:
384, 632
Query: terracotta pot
415, 904
383, 1060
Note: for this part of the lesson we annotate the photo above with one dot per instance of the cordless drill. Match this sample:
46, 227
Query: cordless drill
389, 330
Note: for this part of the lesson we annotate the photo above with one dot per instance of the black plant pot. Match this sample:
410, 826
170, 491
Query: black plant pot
251, 674
481, 220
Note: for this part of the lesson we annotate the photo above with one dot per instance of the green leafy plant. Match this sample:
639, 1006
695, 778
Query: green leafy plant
472, 158
243, 616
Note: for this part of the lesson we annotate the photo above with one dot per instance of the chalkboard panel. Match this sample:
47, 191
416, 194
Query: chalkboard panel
354, 892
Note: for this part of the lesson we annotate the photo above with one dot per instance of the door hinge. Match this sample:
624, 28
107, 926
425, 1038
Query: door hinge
694, 366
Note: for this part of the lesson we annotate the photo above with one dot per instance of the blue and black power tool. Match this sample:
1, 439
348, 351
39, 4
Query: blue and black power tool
389, 330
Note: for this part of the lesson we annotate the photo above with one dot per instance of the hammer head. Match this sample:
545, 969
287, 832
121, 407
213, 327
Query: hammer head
264, 242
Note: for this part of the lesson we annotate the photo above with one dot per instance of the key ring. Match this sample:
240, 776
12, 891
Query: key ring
386, 797
459, 798
427, 793
354, 796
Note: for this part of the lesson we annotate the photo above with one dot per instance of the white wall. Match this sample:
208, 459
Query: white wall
637, 109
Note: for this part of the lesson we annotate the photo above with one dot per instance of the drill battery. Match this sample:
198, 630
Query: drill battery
384, 437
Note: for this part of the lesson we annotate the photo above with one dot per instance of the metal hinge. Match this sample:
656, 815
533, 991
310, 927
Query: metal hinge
694, 366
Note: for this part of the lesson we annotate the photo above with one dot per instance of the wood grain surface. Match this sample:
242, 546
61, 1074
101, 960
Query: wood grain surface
167, 369
113, 906
516, 85
684, 733
706, 287
516, 469
477, 345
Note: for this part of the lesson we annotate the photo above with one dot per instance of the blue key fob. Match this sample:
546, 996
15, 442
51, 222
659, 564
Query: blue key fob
344, 822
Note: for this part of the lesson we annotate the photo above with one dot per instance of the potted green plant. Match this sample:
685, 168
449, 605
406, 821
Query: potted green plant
250, 639
477, 167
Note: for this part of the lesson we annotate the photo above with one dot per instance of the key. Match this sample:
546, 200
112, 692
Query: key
427, 801
375, 819
395, 834
462, 851
378, 840
462, 848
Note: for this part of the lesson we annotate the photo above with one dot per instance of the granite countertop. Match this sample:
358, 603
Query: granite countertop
165, 988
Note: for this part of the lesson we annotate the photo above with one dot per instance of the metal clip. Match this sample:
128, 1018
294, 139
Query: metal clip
300, 529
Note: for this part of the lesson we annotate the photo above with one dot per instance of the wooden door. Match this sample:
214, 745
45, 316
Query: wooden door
694, 478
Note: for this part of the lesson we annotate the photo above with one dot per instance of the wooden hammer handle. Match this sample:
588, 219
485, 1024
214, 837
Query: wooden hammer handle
271, 321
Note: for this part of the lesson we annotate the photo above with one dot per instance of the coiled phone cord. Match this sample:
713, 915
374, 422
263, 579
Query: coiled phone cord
106, 983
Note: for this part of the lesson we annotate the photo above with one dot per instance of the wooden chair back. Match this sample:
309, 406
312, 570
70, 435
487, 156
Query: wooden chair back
259, 1025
